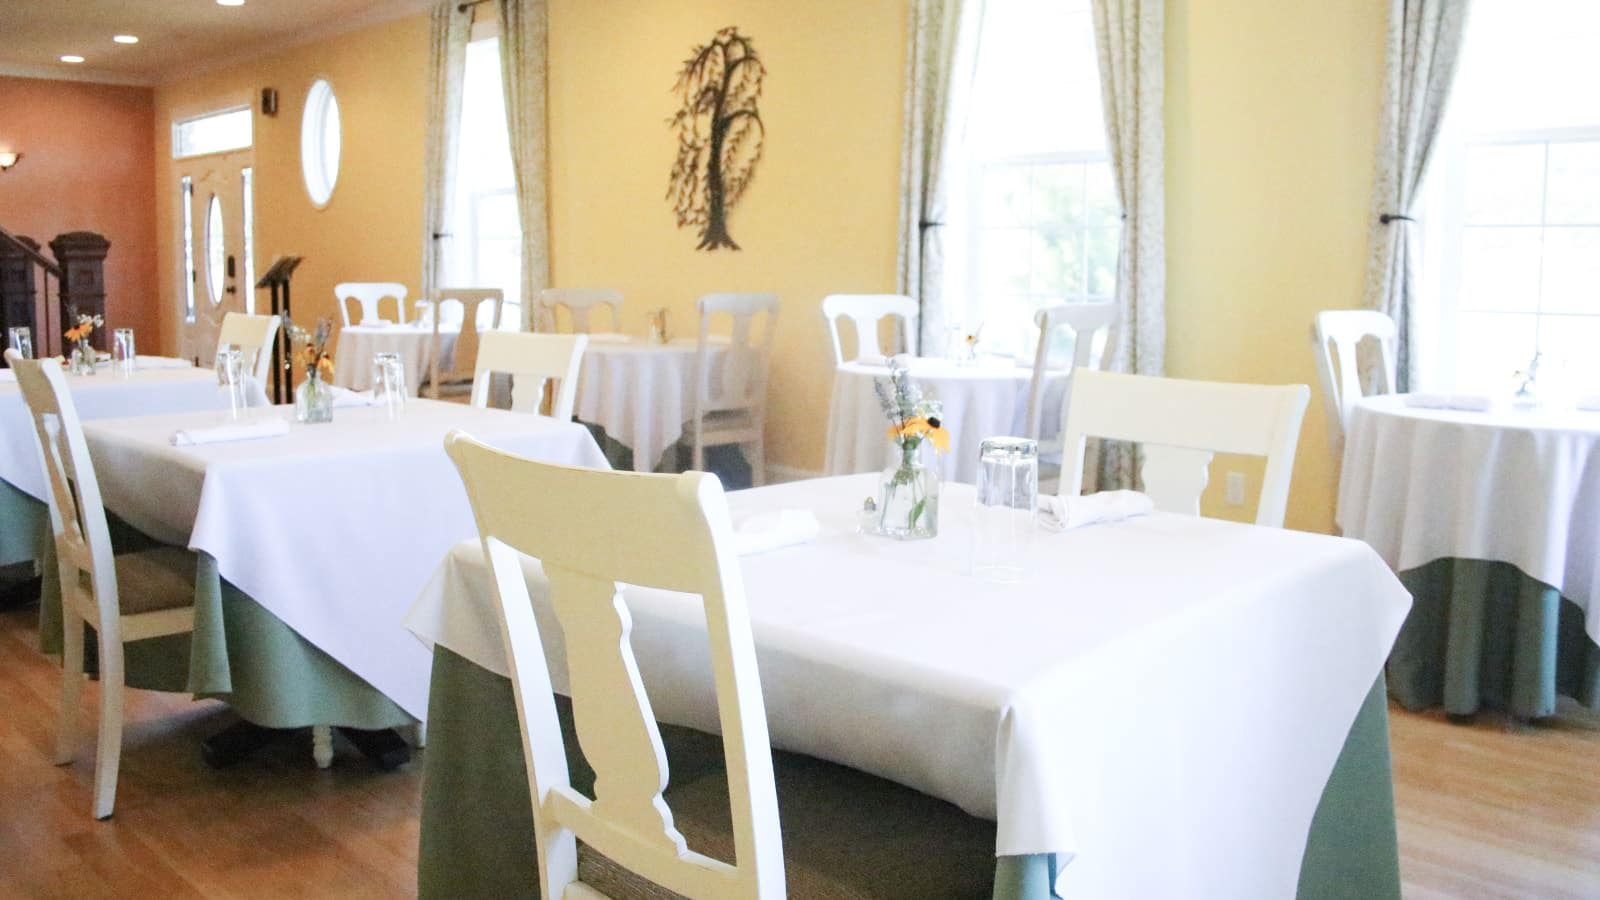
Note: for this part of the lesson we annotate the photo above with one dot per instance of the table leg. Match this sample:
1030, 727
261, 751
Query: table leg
322, 745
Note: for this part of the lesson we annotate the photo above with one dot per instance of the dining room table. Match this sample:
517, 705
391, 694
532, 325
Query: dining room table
640, 391
1164, 706
1490, 513
982, 398
413, 341
311, 542
156, 385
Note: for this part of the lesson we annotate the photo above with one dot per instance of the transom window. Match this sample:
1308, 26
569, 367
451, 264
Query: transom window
217, 132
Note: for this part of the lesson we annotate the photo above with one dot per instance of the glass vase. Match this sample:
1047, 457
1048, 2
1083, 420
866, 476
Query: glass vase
908, 494
83, 357
313, 401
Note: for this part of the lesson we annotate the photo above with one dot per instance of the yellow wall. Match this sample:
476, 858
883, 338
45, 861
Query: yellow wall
371, 228
820, 216
1271, 118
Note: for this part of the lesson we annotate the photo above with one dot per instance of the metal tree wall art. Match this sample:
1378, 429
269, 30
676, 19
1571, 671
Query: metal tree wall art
719, 134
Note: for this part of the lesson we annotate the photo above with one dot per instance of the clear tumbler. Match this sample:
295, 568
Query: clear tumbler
1008, 487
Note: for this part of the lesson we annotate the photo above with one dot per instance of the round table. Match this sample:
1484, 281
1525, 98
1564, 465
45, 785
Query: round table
988, 398
1494, 520
640, 392
358, 343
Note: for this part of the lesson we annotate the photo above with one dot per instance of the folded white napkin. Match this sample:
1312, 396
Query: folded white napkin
161, 362
772, 530
376, 323
235, 431
610, 337
1469, 402
344, 398
1058, 513
872, 359
1590, 403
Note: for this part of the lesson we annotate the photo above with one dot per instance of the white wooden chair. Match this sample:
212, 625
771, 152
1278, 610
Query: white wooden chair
1181, 425
1090, 326
253, 335
579, 303
730, 399
531, 360
469, 305
671, 532
367, 297
866, 311
123, 598
1335, 337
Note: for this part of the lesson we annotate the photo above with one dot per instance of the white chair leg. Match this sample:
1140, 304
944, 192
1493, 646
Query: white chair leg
419, 735
71, 682
698, 462
322, 745
758, 462
108, 751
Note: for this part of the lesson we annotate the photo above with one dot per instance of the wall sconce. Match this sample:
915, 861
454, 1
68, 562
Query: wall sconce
8, 158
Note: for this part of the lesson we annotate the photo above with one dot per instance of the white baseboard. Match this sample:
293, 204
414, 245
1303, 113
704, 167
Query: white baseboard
777, 474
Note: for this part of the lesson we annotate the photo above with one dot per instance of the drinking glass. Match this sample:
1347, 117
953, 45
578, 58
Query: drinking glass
389, 384
20, 339
231, 376
122, 351
1008, 488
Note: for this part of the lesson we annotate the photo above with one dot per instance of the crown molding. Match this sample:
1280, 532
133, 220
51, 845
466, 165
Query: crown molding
377, 14
90, 76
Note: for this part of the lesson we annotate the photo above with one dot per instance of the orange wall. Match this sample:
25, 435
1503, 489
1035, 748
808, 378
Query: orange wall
87, 166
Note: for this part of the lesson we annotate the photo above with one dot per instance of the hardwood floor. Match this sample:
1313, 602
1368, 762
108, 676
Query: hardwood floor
1485, 812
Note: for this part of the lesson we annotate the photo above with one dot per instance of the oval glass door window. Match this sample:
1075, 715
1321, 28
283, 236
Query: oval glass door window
216, 253
320, 141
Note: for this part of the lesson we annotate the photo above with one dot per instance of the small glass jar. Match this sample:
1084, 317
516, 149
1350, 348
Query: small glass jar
313, 401
20, 339
908, 493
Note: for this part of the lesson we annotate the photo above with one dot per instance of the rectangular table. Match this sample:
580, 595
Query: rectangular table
331, 529
1161, 703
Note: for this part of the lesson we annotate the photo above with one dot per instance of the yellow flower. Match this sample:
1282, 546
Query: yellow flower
917, 428
325, 367
74, 334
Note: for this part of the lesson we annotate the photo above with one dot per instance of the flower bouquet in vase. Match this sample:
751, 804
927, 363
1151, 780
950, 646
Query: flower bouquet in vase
84, 355
313, 399
908, 492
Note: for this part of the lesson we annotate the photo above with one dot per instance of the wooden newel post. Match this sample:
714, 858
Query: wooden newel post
82, 257
17, 290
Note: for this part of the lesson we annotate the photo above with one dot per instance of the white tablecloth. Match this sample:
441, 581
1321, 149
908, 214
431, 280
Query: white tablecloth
333, 528
984, 400
1514, 486
641, 393
357, 344
157, 389
1163, 698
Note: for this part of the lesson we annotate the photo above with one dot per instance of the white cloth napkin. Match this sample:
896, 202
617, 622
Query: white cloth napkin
161, 362
1590, 403
772, 530
1058, 513
237, 431
344, 398
872, 359
376, 323
610, 337
1469, 402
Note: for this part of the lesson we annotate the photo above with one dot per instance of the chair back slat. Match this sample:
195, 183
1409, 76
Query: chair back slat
253, 335
470, 305
1090, 326
592, 531
77, 516
1198, 418
579, 303
739, 382
1336, 337
532, 360
367, 297
865, 311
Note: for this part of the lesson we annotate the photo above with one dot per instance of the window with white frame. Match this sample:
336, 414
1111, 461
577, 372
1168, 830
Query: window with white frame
485, 230
1034, 219
230, 129
1511, 216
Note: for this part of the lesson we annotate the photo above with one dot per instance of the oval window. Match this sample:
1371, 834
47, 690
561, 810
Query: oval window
319, 142
216, 253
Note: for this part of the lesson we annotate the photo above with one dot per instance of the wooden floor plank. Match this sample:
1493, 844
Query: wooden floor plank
1485, 810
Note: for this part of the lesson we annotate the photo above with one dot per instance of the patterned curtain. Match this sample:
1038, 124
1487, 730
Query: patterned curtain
1130, 37
523, 45
1424, 48
447, 58
940, 62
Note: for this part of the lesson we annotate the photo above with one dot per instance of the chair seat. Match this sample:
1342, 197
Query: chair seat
725, 420
846, 834
156, 580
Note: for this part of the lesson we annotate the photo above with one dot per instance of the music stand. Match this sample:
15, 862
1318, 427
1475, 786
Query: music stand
276, 279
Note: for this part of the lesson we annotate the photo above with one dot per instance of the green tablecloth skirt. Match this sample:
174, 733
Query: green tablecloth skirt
477, 822
239, 652
24, 523
1485, 634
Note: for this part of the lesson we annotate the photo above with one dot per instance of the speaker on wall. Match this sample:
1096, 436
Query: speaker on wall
269, 101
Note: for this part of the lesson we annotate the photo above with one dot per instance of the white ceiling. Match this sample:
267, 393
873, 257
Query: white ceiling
176, 37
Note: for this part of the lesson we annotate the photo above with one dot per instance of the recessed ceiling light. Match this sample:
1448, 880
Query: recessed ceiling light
126, 39
70, 58
230, 2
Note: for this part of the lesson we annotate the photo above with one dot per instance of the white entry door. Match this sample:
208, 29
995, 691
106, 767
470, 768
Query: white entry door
217, 248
